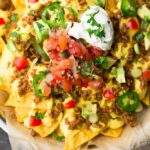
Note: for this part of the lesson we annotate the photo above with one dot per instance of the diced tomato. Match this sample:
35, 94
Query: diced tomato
76, 49
33, 1
70, 104
2, 21
20, 63
47, 90
63, 42
62, 65
67, 85
54, 55
109, 94
88, 56
146, 75
34, 122
54, 83
132, 24
51, 43
58, 75
96, 51
96, 84
77, 82
85, 82
78, 76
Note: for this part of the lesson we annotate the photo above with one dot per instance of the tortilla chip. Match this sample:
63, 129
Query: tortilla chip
3, 14
113, 132
3, 97
2, 45
27, 101
6, 69
18, 3
76, 139
44, 130
146, 99
21, 113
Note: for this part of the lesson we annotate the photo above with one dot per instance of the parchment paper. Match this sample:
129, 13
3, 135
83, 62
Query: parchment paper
131, 139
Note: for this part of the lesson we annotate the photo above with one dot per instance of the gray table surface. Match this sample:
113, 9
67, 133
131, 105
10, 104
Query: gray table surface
4, 141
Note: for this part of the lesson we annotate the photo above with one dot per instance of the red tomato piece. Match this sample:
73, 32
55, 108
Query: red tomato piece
63, 42
89, 56
47, 90
33, 1
62, 65
146, 75
52, 43
77, 82
54, 83
108, 93
54, 55
76, 49
67, 85
70, 104
95, 51
20, 63
2, 21
58, 75
34, 122
96, 84
132, 24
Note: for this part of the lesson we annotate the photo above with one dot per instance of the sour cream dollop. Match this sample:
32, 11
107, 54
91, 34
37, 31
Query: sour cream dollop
103, 22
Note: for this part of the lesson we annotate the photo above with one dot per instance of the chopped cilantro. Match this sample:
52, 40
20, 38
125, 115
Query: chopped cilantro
55, 91
99, 32
86, 70
58, 137
145, 25
39, 116
13, 17
15, 35
7, 25
92, 20
139, 36
104, 62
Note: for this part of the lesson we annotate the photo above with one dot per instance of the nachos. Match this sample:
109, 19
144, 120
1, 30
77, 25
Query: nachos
76, 69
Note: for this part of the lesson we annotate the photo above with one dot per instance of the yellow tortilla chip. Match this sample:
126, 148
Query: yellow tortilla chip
2, 45
4, 15
6, 70
146, 99
74, 140
77, 137
113, 132
21, 113
44, 130
27, 101
18, 3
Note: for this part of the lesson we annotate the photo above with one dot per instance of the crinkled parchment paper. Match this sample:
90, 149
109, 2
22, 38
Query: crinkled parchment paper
131, 139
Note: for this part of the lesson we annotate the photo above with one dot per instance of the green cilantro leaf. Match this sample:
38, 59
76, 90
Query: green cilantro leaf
15, 35
7, 25
139, 36
39, 116
104, 62
58, 137
145, 25
13, 17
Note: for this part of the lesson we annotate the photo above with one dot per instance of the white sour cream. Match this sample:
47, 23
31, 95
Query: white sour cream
79, 30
